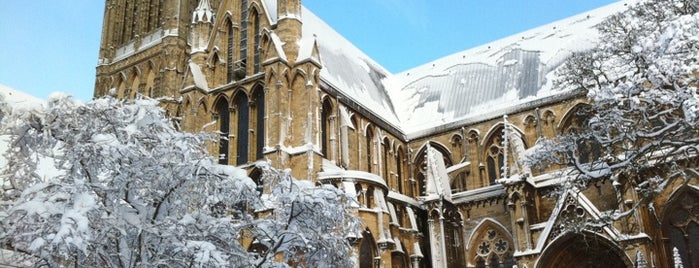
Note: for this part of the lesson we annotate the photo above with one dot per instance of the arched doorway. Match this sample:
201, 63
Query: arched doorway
583, 251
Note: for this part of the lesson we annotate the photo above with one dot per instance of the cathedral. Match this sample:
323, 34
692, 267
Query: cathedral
433, 154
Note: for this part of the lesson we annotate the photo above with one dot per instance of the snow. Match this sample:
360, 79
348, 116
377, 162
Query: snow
504, 73
198, 76
19, 100
347, 69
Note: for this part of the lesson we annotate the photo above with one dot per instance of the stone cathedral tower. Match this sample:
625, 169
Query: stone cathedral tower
432, 154
266, 88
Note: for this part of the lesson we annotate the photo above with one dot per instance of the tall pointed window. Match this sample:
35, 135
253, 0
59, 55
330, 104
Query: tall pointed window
258, 98
325, 125
243, 32
256, 48
229, 53
369, 151
399, 169
386, 148
242, 123
222, 115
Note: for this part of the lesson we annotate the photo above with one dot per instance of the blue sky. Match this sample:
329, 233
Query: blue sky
52, 45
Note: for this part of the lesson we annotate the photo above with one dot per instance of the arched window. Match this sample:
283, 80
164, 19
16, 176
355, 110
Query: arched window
354, 140
243, 32
258, 98
575, 122
386, 149
222, 115
230, 50
680, 227
453, 235
369, 149
256, 28
494, 156
399, 169
491, 246
325, 124
242, 123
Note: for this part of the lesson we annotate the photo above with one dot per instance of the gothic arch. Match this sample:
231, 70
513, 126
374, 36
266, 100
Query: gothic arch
440, 147
149, 77
570, 113
494, 154
420, 164
456, 138
584, 249
367, 250
326, 125
495, 128
202, 105
573, 122
490, 242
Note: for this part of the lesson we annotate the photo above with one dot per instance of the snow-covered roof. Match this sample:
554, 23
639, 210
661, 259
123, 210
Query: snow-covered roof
500, 74
346, 68
472, 84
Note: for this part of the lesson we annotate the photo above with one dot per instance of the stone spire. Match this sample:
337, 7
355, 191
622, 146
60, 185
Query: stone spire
203, 12
202, 25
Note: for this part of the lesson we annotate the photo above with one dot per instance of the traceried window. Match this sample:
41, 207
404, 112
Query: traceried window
491, 248
494, 156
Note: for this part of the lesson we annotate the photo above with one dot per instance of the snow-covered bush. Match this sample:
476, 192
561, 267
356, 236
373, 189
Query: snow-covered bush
115, 184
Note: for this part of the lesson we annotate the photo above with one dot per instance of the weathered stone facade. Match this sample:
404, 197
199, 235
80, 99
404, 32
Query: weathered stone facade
248, 66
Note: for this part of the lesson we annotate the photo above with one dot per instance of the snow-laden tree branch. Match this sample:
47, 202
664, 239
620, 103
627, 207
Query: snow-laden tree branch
114, 184
642, 80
